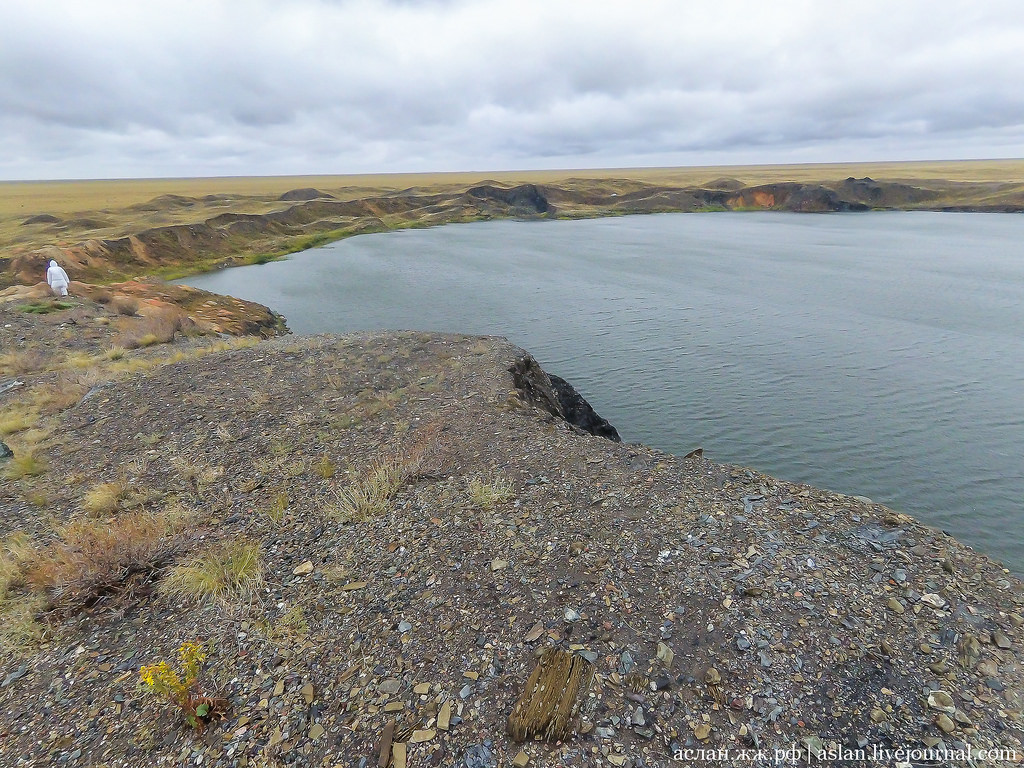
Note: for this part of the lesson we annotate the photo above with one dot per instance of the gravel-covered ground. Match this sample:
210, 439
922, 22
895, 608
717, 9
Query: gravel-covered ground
727, 614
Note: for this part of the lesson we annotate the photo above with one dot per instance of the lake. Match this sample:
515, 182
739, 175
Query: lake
877, 354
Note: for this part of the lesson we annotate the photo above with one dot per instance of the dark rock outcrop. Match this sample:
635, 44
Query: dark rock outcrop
5, 452
306, 193
578, 412
42, 218
525, 198
556, 396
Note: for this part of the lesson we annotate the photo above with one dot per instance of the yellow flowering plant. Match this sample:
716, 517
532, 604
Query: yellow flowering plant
180, 685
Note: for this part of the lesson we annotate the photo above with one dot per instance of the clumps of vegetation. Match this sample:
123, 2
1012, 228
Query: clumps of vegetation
26, 463
226, 572
325, 467
290, 627
44, 307
104, 498
197, 475
488, 495
17, 418
19, 630
372, 493
179, 685
67, 391
16, 552
90, 559
277, 508
24, 361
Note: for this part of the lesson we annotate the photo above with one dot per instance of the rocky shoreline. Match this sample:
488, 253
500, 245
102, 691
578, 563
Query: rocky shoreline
725, 614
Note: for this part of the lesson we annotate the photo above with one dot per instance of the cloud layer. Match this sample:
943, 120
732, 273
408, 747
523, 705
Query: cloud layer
113, 89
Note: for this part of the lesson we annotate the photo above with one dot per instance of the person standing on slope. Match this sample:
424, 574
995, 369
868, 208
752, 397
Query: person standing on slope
57, 279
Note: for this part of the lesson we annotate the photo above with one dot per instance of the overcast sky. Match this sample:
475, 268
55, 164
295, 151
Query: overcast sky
139, 88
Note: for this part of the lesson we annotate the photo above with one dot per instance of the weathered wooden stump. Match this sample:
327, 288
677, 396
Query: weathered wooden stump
552, 698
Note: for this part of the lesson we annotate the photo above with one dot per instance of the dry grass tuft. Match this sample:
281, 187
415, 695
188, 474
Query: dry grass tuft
16, 551
227, 572
104, 498
487, 495
24, 361
17, 418
26, 464
325, 467
65, 392
19, 629
371, 495
91, 559
277, 508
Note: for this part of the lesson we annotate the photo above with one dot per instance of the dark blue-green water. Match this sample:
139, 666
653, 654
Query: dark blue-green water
878, 354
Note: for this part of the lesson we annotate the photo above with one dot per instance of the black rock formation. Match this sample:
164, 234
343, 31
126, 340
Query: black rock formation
525, 198
558, 397
579, 412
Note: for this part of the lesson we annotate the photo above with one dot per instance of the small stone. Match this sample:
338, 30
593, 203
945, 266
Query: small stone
702, 731
535, 632
498, 565
279, 687
934, 600
590, 656
712, 677
814, 746
422, 689
925, 648
316, 731
1001, 640
942, 701
895, 605
571, 614
399, 753
390, 686
386, 747
466, 692
308, 693
945, 724
878, 715
424, 735
988, 669
394, 706
444, 717
471, 675
521, 760
404, 626
665, 654
17, 674
302, 570
352, 585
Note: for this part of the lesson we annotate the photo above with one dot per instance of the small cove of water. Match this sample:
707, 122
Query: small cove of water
875, 354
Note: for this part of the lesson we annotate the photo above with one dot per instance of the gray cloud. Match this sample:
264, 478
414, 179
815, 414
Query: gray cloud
110, 89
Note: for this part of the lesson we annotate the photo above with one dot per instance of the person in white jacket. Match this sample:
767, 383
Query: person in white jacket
58, 279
